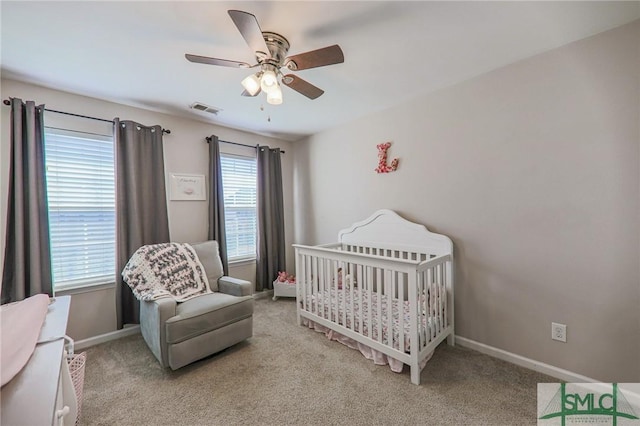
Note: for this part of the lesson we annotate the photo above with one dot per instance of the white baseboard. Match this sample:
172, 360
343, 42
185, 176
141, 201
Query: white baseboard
540, 367
107, 337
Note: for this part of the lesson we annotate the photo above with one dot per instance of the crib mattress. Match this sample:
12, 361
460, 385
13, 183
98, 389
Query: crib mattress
341, 302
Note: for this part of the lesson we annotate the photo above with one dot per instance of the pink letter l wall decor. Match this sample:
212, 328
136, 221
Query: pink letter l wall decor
383, 167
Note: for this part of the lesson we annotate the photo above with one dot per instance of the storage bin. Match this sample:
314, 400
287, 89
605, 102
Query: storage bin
283, 289
76, 369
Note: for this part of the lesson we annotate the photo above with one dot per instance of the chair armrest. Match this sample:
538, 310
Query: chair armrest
153, 316
234, 286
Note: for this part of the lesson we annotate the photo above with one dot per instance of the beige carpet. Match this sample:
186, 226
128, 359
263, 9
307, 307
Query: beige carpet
287, 374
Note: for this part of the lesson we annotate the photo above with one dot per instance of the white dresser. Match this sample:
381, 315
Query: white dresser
34, 395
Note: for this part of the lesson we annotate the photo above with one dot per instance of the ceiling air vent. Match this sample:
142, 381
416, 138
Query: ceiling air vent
199, 106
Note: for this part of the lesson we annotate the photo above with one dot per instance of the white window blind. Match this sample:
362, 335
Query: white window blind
81, 197
239, 186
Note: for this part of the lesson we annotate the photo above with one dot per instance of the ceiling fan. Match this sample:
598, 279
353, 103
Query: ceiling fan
271, 54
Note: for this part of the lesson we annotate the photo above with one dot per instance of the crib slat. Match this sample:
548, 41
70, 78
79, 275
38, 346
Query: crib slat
413, 278
329, 284
305, 282
317, 284
325, 290
434, 305
426, 275
345, 268
332, 288
309, 283
428, 292
352, 296
390, 288
441, 293
439, 290
318, 278
379, 284
332, 292
300, 282
336, 292
443, 296
401, 311
421, 304
348, 311
313, 286
310, 273
436, 312
427, 305
428, 301
367, 303
440, 307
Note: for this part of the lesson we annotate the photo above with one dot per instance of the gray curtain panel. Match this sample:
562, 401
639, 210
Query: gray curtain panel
27, 256
216, 202
141, 203
270, 243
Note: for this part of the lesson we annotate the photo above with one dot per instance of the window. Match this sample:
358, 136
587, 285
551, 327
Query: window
81, 197
239, 186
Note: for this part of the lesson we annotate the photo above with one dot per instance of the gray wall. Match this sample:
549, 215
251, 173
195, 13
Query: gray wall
93, 311
533, 171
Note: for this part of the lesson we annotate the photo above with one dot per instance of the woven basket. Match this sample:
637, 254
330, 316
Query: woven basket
76, 369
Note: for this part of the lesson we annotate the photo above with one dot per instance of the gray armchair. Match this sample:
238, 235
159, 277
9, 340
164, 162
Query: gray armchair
181, 333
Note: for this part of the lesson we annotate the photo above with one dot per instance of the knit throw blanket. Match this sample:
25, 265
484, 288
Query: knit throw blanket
167, 269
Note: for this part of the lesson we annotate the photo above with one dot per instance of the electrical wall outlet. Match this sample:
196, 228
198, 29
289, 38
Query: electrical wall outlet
559, 332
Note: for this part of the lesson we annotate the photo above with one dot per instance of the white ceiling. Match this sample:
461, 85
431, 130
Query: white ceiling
133, 52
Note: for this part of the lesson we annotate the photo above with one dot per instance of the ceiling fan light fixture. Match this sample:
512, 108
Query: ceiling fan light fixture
271, 50
269, 81
274, 96
251, 84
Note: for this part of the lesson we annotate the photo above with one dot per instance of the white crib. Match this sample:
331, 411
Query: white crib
384, 261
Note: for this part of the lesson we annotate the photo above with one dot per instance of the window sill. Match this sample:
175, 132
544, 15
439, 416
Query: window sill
242, 262
83, 288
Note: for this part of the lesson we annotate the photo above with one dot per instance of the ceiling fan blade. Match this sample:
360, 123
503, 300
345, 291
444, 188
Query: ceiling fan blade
215, 61
302, 86
250, 29
316, 58
245, 93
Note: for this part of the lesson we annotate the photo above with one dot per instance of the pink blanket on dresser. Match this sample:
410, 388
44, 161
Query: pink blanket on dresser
21, 323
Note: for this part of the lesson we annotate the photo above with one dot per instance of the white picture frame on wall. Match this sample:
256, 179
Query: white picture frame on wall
187, 187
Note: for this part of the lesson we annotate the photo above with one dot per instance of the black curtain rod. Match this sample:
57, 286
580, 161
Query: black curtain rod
8, 102
208, 138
